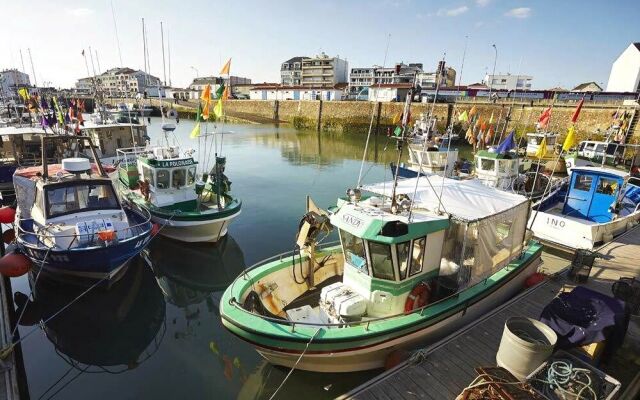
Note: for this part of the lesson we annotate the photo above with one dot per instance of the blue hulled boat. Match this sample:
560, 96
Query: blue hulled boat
70, 221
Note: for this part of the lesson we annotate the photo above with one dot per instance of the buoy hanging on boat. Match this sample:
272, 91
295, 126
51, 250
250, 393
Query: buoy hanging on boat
14, 264
155, 228
8, 236
419, 297
7, 215
534, 279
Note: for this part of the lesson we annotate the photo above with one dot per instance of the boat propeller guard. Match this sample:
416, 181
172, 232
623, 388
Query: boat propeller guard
418, 298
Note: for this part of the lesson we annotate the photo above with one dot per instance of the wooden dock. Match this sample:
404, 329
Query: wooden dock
444, 369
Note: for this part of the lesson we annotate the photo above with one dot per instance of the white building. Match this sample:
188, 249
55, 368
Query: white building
11, 80
389, 92
323, 71
291, 71
625, 71
121, 81
363, 78
508, 82
281, 92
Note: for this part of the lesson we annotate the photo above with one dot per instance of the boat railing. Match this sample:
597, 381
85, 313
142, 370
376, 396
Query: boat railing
126, 155
45, 236
366, 323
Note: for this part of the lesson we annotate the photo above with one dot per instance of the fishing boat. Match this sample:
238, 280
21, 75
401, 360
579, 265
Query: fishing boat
163, 181
598, 204
417, 259
69, 220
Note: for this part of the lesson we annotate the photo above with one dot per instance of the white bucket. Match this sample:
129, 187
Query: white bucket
525, 345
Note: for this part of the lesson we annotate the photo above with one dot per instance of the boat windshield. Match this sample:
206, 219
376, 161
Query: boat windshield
354, 251
68, 199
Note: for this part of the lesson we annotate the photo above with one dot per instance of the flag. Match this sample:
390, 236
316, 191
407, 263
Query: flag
226, 94
491, 119
396, 118
507, 144
206, 93
576, 113
206, 96
227, 67
463, 116
469, 135
542, 148
196, 131
220, 91
24, 93
397, 131
473, 111
58, 111
545, 117
489, 135
82, 52
483, 126
217, 110
570, 140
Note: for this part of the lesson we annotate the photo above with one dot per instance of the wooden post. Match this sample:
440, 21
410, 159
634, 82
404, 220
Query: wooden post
276, 110
319, 116
449, 113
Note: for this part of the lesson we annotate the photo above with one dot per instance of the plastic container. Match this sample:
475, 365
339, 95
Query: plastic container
525, 344
581, 265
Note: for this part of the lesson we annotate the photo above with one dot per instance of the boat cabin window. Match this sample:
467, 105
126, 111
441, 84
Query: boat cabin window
583, 182
410, 256
487, 164
581, 146
607, 186
600, 148
69, 199
505, 165
147, 175
162, 181
551, 140
178, 178
589, 146
533, 140
191, 175
354, 251
381, 261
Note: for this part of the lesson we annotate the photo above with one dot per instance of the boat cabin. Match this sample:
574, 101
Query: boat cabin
600, 195
534, 140
495, 169
433, 160
590, 152
385, 256
72, 206
170, 176
111, 137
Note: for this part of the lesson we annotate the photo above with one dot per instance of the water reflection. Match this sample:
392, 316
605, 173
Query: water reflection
106, 330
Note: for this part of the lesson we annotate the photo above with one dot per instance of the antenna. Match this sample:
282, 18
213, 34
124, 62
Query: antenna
144, 56
169, 51
164, 65
115, 27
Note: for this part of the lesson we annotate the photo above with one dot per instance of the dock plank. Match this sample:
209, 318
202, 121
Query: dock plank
448, 365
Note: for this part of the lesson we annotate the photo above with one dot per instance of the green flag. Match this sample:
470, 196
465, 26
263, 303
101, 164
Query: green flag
59, 115
220, 91
397, 131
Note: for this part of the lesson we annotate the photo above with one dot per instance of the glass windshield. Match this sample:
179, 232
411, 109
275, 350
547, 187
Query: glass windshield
191, 176
403, 258
417, 255
354, 251
607, 186
163, 179
178, 177
583, 182
487, 164
78, 198
381, 261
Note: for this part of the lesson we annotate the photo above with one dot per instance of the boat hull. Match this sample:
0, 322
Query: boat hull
361, 353
210, 230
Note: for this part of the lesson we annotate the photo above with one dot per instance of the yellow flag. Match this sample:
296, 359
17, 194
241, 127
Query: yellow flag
463, 116
227, 67
217, 110
196, 131
570, 141
473, 111
24, 93
542, 148
491, 119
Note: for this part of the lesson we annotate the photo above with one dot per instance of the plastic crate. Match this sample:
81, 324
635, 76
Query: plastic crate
605, 386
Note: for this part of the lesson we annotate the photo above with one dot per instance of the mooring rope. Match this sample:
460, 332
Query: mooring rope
295, 365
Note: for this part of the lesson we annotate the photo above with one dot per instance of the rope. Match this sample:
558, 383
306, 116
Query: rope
273, 396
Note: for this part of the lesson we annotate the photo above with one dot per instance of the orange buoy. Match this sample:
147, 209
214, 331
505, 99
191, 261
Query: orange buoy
14, 264
534, 279
155, 228
7, 215
8, 236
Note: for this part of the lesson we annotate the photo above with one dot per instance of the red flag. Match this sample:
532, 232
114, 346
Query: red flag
544, 117
576, 113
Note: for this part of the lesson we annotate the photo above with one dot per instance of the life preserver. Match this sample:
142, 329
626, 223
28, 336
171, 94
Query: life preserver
419, 297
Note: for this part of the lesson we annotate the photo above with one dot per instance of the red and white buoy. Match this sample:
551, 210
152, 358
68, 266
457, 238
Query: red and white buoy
14, 264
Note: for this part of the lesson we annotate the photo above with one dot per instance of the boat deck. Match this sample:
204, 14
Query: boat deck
444, 369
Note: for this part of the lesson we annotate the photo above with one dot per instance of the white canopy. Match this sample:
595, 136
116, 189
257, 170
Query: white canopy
464, 199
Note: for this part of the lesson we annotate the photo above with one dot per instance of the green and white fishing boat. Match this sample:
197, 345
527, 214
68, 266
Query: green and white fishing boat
163, 180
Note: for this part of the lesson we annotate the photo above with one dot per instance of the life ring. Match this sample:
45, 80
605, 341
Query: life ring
419, 297
173, 114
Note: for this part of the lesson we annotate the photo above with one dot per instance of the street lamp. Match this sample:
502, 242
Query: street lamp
195, 69
495, 59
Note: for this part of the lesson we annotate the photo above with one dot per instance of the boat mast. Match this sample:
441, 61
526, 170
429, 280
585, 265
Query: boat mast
164, 65
400, 146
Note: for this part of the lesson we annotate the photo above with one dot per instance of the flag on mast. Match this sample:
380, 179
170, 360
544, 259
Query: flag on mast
227, 67
217, 110
542, 148
195, 132
576, 113
463, 117
206, 97
570, 140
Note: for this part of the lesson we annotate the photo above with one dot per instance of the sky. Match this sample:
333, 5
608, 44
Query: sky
558, 42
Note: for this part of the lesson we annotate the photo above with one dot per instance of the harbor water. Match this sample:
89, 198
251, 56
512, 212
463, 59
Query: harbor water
156, 333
